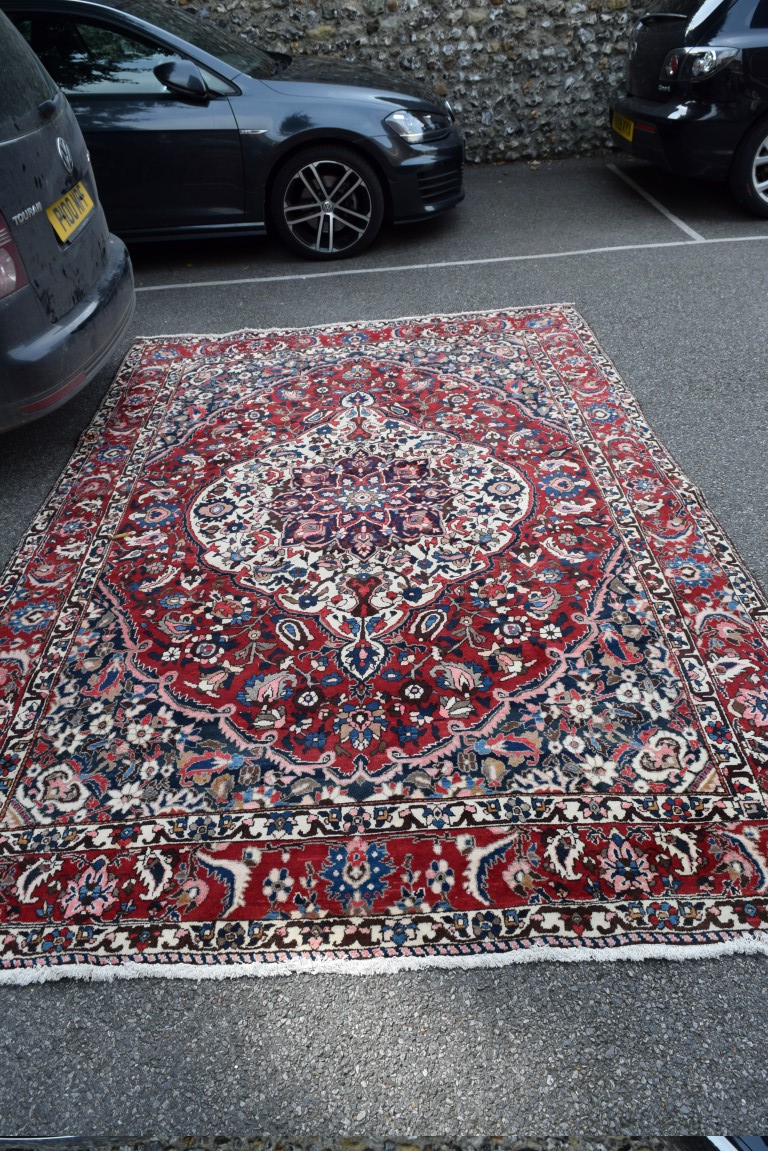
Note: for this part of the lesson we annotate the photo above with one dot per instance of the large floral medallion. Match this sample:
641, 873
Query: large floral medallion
359, 523
362, 640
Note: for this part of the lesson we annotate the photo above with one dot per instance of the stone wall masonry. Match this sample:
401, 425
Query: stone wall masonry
528, 80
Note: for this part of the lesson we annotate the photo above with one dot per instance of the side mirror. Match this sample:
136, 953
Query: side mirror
182, 77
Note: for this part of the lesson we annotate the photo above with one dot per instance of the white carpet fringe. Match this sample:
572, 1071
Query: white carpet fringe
756, 944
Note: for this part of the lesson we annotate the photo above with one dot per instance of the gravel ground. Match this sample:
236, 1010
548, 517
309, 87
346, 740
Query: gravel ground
276, 1143
672, 1048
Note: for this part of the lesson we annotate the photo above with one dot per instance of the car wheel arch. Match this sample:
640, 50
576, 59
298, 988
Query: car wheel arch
350, 143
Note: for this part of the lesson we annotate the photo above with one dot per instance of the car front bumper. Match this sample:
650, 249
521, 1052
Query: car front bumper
695, 138
422, 179
42, 365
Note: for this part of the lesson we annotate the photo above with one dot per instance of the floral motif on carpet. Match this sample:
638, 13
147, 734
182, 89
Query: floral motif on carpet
397, 640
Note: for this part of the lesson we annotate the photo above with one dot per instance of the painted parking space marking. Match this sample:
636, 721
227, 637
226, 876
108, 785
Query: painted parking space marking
656, 204
437, 265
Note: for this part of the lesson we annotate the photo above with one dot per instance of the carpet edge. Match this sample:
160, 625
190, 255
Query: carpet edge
753, 944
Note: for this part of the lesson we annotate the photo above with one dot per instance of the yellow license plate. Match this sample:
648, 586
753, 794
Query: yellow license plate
68, 213
624, 126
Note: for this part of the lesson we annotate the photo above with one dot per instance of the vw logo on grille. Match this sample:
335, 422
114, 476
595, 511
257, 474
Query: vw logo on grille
65, 154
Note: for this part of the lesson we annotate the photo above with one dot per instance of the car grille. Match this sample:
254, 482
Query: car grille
440, 183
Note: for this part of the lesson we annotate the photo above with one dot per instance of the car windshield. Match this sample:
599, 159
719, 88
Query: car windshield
24, 84
205, 35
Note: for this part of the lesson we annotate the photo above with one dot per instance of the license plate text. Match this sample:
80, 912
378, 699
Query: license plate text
68, 213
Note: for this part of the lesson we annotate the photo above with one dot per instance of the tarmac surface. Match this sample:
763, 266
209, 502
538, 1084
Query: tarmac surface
278, 1143
673, 279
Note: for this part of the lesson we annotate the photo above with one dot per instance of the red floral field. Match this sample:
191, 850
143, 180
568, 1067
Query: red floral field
398, 641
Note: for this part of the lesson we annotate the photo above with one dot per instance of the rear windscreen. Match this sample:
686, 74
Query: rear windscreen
24, 84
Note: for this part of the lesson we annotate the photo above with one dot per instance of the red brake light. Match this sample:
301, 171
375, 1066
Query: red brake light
12, 273
672, 65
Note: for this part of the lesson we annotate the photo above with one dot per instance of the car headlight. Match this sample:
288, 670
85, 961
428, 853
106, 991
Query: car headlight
419, 127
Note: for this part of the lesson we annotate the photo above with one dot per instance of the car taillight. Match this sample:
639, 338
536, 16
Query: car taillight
672, 65
696, 63
12, 273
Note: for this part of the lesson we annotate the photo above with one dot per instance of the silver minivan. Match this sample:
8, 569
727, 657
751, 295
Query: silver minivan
66, 284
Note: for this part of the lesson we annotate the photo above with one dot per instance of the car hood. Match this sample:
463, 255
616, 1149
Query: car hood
343, 75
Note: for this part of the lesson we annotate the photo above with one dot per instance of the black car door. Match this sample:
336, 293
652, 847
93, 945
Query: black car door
161, 160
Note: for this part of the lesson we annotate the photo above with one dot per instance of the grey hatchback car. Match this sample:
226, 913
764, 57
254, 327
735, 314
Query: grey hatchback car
66, 284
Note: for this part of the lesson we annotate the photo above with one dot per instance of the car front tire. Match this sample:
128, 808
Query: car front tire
327, 203
749, 171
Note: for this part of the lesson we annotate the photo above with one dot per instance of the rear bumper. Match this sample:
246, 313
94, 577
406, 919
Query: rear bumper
42, 365
690, 139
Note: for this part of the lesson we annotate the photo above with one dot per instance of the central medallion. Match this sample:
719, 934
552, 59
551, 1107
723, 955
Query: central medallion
362, 505
360, 519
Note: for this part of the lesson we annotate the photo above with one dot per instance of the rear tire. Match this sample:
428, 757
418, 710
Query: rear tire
749, 170
327, 203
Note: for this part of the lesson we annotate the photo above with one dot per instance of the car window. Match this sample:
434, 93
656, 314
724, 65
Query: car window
23, 84
732, 17
760, 15
89, 58
721, 16
697, 11
685, 8
205, 35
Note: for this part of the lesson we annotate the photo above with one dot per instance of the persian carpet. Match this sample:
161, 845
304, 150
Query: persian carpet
397, 642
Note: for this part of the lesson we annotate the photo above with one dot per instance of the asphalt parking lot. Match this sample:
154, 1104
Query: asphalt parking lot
673, 279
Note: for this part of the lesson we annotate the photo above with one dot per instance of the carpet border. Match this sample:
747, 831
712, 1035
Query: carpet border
753, 943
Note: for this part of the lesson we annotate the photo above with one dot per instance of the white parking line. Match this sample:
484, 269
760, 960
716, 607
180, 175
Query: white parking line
655, 203
428, 267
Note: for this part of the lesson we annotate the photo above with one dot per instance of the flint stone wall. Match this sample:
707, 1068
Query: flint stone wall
528, 80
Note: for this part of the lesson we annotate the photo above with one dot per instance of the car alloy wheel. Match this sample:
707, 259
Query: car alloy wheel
760, 171
749, 173
327, 203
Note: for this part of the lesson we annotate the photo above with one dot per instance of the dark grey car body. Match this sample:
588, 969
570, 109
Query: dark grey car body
192, 130
64, 303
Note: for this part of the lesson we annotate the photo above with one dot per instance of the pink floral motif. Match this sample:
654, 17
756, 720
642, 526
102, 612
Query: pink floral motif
92, 893
753, 704
625, 868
